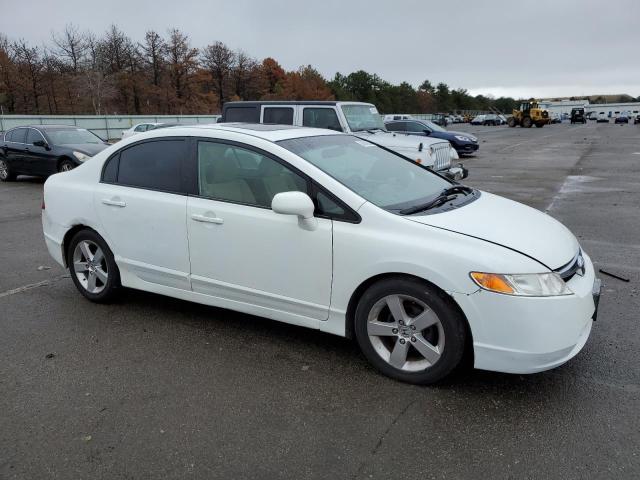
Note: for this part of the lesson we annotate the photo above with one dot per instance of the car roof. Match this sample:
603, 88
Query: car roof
49, 126
270, 132
292, 102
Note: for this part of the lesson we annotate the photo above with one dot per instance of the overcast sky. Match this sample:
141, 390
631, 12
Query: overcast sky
519, 48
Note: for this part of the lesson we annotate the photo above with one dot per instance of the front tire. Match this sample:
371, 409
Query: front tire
66, 165
409, 331
527, 122
511, 122
92, 266
6, 175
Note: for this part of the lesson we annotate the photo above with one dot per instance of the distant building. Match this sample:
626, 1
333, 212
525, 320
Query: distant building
610, 110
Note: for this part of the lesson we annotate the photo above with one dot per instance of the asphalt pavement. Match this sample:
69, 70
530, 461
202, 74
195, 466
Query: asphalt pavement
152, 387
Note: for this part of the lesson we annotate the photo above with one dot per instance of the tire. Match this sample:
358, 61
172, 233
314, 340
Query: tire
99, 279
398, 349
65, 165
6, 175
527, 122
511, 122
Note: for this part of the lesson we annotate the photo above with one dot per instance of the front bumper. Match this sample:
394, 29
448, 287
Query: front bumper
456, 173
466, 148
531, 334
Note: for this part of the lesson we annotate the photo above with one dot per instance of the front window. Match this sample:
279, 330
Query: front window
72, 136
377, 175
362, 117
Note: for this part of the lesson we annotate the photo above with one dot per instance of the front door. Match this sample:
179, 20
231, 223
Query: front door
142, 208
243, 251
38, 158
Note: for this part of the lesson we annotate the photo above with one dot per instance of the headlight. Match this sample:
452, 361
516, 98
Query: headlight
82, 157
527, 285
462, 138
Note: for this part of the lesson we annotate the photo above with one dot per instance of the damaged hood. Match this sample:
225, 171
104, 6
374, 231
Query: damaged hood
512, 225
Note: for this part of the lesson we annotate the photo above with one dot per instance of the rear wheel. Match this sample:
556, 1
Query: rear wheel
409, 331
527, 122
92, 266
511, 122
66, 165
6, 175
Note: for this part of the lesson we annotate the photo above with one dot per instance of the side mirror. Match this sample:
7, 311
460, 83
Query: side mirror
296, 203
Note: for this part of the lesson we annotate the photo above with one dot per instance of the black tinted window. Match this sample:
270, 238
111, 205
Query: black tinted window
280, 115
321, 118
154, 165
242, 114
33, 136
110, 173
394, 126
17, 135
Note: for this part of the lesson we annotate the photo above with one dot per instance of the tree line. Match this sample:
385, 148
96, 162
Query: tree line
81, 73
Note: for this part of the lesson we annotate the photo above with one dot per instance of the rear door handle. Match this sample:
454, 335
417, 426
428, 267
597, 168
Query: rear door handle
206, 219
114, 202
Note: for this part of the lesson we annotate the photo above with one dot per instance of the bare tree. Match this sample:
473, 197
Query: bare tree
8, 74
154, 53
71, 45
218, 59
182, 63
244, 74
30, 66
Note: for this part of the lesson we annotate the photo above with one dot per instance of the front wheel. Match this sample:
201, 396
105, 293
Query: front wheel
92, 266
66, 165
511, 122
409, 331
527, 122
6, 175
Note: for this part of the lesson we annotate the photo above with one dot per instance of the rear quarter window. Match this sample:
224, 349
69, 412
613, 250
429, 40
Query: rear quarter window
242, 114
153, 165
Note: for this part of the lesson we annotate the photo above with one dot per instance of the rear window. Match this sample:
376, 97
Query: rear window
17, 135
154, 165
242, 115
321, 118
279, 115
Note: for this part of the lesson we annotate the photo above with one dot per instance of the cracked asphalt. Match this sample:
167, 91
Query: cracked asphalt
152, 387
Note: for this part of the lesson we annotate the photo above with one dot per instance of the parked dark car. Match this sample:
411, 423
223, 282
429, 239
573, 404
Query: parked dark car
43, 150
636, 120
464, 143
621, 119
577, 115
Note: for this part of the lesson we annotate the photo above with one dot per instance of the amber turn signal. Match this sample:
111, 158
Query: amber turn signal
493, 281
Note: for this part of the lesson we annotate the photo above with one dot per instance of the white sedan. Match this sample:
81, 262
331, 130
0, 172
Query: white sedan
139, 128
327, 231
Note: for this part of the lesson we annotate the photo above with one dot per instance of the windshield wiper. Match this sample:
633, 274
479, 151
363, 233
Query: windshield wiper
443, 197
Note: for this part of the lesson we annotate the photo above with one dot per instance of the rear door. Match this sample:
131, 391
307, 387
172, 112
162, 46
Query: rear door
15, 148
141, 204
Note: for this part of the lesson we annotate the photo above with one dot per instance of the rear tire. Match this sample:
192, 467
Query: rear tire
66, 165
527, 122
511, 122
92, 266
6, 175
409, 331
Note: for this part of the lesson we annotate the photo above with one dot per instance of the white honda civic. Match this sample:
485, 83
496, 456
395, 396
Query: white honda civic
327, 231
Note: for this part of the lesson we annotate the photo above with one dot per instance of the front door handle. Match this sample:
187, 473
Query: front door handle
114, 202
206, 219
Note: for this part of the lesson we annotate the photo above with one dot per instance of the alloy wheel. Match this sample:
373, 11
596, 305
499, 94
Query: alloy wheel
4, 170
405, 332
66, 167
90, 266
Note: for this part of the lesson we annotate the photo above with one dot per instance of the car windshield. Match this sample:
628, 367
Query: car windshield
72, 136
377, 175
362, 117
433, 126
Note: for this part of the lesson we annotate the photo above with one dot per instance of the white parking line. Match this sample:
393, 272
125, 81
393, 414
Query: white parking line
31, 286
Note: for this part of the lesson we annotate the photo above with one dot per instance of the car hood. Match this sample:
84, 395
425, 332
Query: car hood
398, 141
88, 148
512, 225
